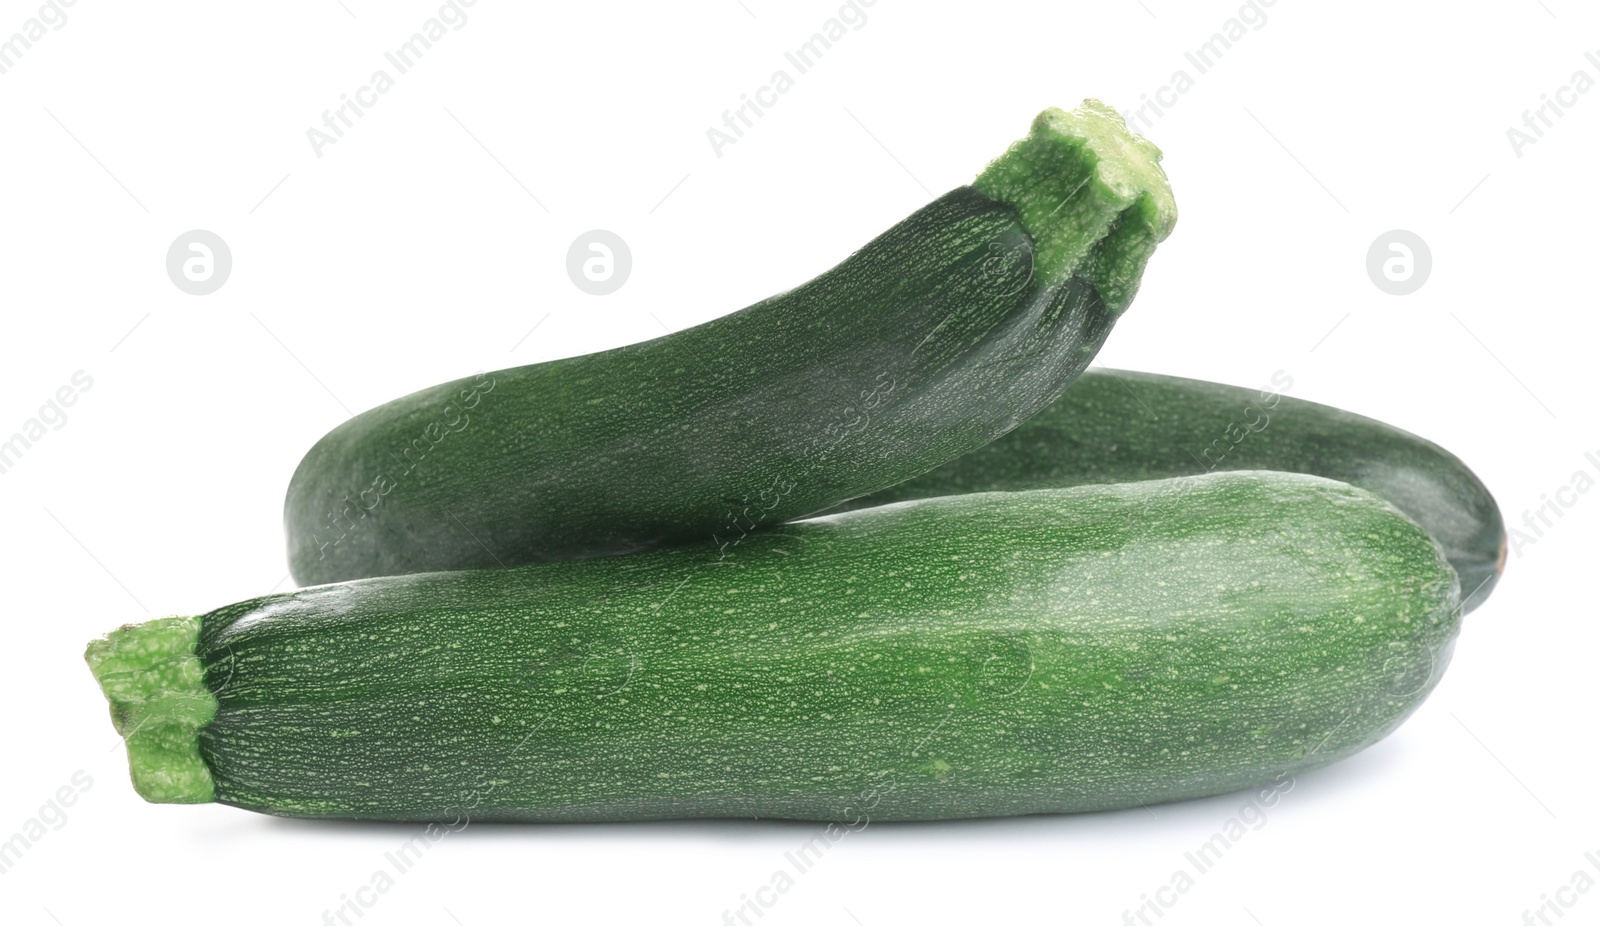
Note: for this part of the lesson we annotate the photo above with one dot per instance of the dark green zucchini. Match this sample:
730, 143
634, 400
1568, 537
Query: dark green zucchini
973, 655
933, 339
1122, 426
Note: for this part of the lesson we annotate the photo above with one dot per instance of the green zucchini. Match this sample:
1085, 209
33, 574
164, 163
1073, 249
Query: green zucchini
1122, 426
975, 655
932, 340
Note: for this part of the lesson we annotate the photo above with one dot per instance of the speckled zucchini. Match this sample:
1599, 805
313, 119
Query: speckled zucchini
988, 654
932, 340
1122, 426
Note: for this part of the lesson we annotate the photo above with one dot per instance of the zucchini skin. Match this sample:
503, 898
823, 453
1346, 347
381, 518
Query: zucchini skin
1123, 426
935, 338
977, 655
907, 354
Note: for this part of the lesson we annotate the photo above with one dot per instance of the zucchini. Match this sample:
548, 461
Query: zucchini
933, 339
1122, 426
975, 655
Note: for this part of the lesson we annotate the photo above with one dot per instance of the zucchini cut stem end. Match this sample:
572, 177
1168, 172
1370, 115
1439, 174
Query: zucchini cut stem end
159, 702
1091, 193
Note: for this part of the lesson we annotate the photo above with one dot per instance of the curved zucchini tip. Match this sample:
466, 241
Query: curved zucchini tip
154, 680
1472, 599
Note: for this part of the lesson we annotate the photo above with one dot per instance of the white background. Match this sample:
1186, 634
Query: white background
431, 239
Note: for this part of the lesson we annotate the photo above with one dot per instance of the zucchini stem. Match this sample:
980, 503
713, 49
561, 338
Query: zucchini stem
1092, 195
159, 702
